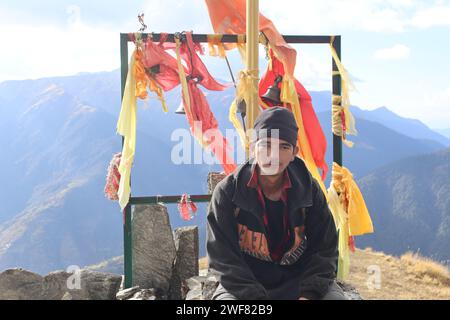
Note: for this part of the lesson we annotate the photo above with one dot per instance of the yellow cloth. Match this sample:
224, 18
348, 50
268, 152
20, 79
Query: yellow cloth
183, 81
341, 221
144, 81
349, 211
232, 116
358, 216
244, 89
216, 48
155, 87
336, 120
289, 95
342, 103
198, 135
126, 126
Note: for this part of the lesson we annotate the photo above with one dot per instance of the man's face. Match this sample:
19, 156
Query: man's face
273, 155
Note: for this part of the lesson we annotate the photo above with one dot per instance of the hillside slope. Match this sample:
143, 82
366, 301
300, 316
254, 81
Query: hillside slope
408, 277
410, 206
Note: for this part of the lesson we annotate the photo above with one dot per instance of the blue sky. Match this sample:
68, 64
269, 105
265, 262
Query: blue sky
396, 50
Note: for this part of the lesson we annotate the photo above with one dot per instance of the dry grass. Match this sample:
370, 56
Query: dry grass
426, 269
410, 277
203, 263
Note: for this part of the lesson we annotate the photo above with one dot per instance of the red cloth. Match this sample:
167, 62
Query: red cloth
200, 107
113, 178
229, 16
168, 78
186, 207
155, 54
314, 132
197, 67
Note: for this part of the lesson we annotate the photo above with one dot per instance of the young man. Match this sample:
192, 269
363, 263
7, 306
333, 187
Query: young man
270, 233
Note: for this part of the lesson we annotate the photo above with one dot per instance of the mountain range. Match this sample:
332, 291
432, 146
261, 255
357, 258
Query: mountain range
58, 136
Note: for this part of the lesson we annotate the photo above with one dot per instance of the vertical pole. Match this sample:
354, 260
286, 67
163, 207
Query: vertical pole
337, 141
127, 236
252, 46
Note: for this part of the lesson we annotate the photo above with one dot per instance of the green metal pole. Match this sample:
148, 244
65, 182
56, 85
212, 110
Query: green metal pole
337, 140
127, 231
168, 199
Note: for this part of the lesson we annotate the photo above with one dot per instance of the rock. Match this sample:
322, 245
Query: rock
55, 285
195, 282
213, 179
122, 283
350, 292
81, 285
153, 247
67, 296
20, 284
186, 262
145, 294
194, 287
209, 287
195, 294
127, 293
135, 293
201, 287
97, 286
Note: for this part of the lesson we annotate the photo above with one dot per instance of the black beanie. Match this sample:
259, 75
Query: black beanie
279, 118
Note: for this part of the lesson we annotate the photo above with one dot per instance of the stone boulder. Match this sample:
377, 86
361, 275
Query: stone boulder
186, 261
153, 247
19, 284
213, 179
136, 293
201, 287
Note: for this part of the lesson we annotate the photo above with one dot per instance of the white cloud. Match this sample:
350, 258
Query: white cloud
55, 50
330, 16
431, 17
397, 52
51, 51
313, 68
39, 50
180, 15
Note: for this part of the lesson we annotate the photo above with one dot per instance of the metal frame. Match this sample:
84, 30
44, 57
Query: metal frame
227, 38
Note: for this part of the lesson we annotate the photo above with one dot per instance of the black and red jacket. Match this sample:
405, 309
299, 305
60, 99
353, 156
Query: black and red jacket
237, 238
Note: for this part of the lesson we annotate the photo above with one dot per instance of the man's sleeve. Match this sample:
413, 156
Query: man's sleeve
224, 254
320, 258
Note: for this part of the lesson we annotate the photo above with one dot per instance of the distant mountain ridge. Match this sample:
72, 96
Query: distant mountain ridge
409, 127
58, 136
410, 206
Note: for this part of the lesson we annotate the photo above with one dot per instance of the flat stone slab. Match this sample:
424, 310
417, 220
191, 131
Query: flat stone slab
186, 262
153, 247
